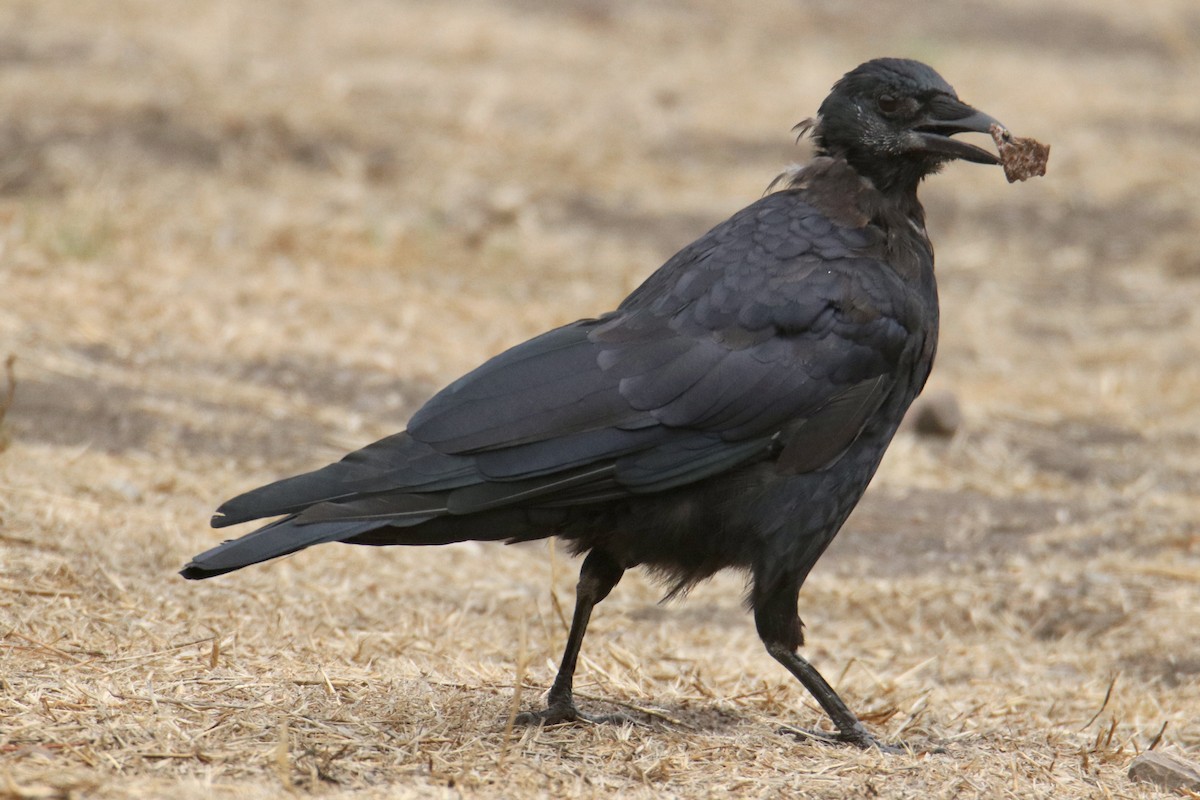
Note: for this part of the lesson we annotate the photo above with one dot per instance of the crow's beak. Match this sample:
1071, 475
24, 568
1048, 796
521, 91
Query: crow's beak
948, 116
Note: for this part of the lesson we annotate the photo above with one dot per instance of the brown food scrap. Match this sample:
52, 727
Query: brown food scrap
1022, 158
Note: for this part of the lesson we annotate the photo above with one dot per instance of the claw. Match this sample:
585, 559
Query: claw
860, 738
564, 713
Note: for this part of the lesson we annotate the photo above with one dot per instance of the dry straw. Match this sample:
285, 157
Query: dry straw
237, 239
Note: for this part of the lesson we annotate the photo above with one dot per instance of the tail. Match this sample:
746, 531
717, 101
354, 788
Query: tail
398, 492
298, 531
337, 503
277, 539
395, 517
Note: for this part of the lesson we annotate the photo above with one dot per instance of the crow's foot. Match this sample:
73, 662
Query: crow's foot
859, 737
564, 713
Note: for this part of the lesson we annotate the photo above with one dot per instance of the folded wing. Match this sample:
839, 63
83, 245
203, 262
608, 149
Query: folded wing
744, 347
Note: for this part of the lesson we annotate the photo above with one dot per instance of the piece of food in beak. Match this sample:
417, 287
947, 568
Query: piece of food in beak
1022, 158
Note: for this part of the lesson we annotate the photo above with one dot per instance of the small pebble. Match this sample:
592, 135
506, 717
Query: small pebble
1165, 770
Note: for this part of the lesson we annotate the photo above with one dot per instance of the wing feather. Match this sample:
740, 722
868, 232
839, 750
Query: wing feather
738, 340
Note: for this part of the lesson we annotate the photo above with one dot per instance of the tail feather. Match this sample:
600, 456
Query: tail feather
277, 539
395, 463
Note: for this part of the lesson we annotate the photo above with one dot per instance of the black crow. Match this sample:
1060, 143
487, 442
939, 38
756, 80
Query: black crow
729, 413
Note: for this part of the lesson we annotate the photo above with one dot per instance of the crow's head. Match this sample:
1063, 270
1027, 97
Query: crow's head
892, 119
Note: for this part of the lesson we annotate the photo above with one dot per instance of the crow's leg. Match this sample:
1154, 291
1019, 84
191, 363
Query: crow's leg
780, 629
850, 730
597, 577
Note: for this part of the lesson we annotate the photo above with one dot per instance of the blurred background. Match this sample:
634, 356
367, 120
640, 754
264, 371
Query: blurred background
237, 239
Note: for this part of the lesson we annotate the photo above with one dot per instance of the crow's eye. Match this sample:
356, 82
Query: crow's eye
888, 104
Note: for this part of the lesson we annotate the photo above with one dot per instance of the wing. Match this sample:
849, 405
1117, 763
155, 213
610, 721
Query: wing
779, 333
777, 320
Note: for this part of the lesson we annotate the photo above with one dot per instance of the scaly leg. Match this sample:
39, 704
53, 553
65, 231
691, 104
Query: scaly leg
597, 577
780, 630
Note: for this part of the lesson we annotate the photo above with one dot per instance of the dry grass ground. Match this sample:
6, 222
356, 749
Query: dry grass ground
239, 238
